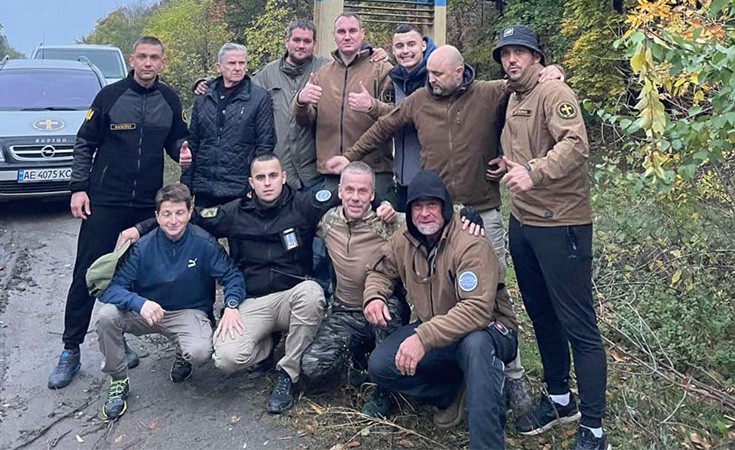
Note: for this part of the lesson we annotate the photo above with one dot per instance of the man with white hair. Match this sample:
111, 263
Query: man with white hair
231, 124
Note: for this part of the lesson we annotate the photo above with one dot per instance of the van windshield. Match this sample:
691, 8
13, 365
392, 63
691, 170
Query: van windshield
108, 61
29, 90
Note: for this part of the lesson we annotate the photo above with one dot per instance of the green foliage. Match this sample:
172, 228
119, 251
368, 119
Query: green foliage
6, 49
121, 28
192, 31
266, 36
597, 72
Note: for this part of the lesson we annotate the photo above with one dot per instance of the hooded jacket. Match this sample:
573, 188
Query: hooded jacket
544, 130
337, 126
453, 285
406, 140
222, 152
458, 135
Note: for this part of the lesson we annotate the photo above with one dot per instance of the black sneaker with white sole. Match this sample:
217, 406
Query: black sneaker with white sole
546, 415
586, 440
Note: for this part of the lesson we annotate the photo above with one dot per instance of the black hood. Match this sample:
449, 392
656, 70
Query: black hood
427, 184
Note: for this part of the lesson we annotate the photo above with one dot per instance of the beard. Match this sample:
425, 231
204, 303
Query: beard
428, 229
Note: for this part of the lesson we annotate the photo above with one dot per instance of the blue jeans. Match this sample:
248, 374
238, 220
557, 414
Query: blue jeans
477, 359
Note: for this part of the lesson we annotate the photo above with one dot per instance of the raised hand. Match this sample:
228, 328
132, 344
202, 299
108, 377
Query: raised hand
360, 101
311, 93
184, 156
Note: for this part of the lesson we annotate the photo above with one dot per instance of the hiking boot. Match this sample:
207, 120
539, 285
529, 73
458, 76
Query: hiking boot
546, 415
379, 404
181, 369
117, 399
516, 396
356, 378
68, 366
453, 414
281, 398
586, 440
131, 357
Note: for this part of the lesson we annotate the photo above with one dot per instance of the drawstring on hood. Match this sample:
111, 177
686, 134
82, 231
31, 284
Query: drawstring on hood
427, 184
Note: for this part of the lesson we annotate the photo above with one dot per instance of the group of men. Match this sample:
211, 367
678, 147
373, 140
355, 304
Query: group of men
303, 150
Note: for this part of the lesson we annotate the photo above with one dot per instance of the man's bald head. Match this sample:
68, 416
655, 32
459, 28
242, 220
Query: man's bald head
446, 70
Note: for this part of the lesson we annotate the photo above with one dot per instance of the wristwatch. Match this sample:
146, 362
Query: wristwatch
232, 303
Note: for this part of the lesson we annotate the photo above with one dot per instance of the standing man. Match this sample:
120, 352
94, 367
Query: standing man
411, 51
163, 286
545, 143
283, 79
116, 172
465, 330
344, 99
230, 125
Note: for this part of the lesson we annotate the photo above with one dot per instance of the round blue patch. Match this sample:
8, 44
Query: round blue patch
467, 281
323, 195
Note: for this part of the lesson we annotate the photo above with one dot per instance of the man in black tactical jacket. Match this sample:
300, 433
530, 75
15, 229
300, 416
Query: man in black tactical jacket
116, 172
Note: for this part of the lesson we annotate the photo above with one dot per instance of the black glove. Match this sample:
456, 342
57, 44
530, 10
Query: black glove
472, 215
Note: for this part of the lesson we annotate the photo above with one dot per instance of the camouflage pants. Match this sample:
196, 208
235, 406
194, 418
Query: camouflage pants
346, 336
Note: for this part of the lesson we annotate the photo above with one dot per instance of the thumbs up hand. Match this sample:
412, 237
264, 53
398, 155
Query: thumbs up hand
518, 178
311, 93
184, 156
361, 100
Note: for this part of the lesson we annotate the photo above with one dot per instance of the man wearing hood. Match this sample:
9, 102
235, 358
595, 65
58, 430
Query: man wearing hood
411, 51
545, 143
458, 121
343, 99
466, 327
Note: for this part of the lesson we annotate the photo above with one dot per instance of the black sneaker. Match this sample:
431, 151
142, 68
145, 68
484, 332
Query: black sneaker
181, 369
282, 395
131, 357
586, 440
379, 404
68, 366
117, 399
546, 415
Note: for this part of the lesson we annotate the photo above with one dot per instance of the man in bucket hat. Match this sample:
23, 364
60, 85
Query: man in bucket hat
550, 235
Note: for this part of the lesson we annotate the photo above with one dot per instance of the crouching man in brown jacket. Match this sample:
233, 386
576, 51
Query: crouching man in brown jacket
466, 328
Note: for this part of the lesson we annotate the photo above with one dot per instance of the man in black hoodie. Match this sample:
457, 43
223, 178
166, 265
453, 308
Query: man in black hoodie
465, 330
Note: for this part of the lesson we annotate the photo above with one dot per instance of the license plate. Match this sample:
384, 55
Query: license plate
39, 175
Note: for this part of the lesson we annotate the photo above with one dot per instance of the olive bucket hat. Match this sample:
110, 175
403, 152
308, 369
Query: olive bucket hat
517, 35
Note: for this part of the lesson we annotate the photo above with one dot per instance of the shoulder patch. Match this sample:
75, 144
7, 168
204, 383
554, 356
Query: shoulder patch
467, 281
208, 213
566, 110
323, 195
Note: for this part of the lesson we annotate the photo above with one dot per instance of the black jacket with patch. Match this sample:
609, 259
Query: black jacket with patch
117, 155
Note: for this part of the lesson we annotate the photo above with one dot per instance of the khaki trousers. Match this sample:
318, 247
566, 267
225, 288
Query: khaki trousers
299, 311
495, 233
189, 328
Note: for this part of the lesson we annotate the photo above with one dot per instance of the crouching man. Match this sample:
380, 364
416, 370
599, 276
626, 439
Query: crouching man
466, 328
164, 286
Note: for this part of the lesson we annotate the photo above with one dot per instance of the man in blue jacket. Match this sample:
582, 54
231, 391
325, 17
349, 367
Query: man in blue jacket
164, 286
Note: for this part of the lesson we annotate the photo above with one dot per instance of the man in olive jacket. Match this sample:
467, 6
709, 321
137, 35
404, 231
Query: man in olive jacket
465, 330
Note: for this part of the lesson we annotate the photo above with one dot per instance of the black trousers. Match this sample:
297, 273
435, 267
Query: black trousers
553, 266
97, 236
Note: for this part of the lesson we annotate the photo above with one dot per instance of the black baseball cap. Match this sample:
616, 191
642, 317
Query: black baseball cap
517, 35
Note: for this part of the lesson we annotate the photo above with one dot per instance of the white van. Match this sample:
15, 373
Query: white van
107, 58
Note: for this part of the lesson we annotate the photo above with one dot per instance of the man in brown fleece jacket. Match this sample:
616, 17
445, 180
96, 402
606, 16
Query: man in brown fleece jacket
465, 330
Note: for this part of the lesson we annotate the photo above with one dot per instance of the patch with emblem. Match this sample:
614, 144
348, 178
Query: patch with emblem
522, 112
122, 126
290, 239
388, 96
323, 195
467, 281
566, 110
89, 115
208, 213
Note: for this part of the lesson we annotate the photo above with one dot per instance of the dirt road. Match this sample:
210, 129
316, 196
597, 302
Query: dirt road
211, 410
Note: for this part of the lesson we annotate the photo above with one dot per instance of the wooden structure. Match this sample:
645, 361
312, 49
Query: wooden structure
429, 15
